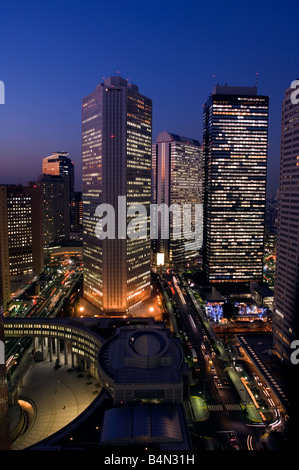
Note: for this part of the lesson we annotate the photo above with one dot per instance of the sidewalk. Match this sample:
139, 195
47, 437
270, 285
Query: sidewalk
59, 397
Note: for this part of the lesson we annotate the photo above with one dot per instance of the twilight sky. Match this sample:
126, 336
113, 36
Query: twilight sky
53, 53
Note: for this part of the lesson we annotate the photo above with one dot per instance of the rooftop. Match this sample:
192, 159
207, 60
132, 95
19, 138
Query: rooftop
142, 354
234, 90
169, 137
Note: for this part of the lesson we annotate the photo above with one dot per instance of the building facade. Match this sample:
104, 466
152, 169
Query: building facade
4, 416
21, 233
177, 182
56, 211
286, 292
116, 159
235, 145
4, 251
78, 213
59, 164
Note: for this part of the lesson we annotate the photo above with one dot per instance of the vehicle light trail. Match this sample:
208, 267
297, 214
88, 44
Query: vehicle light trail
175, 283
249, 442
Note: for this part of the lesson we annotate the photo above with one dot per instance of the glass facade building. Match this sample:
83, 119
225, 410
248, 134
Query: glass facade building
116, 162
235, 145
59, 164
56, 210
177, 179
286, 292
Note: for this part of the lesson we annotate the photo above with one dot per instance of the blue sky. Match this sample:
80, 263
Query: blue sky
54, 53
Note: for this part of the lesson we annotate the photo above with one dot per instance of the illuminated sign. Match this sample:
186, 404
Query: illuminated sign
160, 259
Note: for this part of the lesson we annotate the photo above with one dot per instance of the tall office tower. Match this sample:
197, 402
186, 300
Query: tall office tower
116, 154
235, 141
78, 213
4, 417
286, 291
4, 251
56, 211
177, 172
21, 232
59, 164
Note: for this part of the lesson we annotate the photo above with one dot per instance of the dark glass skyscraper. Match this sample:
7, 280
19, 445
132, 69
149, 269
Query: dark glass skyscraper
116, 155
56, 209
286, 292
235, 144
59, 164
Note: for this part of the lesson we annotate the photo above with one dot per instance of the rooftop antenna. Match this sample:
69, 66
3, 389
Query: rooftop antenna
256, 78
213, 81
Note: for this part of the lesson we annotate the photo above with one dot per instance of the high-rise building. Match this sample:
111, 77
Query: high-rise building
78, 213
177, 172
56, 211
116, 154
4, 251
235, 145
21, 233
4, 416
59, 164
286, 291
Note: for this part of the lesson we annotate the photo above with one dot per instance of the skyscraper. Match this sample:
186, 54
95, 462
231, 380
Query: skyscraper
78, 213
235, 143
286, 292
177, 180
4, 250
4, 417
59, 164
56, 210
21, 233
116, 154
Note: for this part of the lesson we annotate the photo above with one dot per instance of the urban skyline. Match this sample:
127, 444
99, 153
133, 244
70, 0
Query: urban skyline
273, 176
235, 59
149, 228
120, 159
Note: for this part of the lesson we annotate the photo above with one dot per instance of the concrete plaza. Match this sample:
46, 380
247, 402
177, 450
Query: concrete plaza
58, 396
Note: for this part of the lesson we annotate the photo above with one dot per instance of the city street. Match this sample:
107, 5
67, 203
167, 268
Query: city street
215, 409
